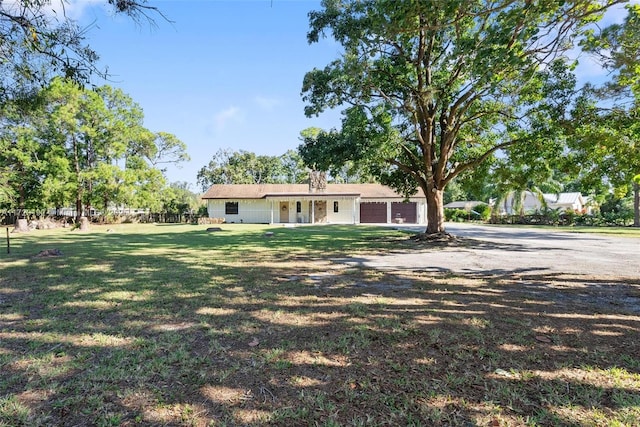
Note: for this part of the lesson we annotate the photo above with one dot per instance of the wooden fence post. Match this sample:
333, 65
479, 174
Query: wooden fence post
8, 242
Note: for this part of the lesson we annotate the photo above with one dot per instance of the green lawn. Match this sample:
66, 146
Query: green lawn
173, 325
612, 231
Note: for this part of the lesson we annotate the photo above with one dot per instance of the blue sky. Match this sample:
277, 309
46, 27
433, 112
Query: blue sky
222, 74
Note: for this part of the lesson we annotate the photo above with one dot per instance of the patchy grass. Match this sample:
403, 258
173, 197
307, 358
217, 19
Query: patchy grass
173, 325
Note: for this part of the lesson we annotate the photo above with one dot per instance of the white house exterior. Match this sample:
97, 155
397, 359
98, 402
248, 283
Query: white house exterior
567, 201
561, 201
299, 203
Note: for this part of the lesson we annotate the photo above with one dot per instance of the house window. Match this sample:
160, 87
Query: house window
231, 208
298, 207
335, 207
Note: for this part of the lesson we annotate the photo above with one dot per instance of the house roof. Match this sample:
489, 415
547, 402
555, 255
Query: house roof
563, 198
260, 191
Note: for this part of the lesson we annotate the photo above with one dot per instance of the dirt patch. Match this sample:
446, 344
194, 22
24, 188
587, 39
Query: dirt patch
48, 253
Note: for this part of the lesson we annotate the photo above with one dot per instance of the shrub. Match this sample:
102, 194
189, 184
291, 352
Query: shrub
203, 211
484, 212
460, 215
456, 215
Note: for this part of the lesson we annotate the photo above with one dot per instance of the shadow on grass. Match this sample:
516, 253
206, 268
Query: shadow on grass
186, 327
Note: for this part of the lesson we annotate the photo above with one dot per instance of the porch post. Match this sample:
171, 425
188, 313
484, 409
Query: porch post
313, 211
271, 212
353, 211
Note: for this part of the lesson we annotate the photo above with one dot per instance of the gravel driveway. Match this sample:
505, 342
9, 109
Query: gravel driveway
503, 250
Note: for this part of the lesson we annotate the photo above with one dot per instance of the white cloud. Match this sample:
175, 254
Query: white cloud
69, 9
229, 115
268, 104
76, 9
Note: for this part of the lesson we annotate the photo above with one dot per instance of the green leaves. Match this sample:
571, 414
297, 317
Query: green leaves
617, 47
606, 134
82, 147
38, 43
243, 167
433, 89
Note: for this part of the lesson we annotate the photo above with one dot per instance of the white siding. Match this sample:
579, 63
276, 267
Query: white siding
249, 211
345, 214
304, 217
258, 211
530, 204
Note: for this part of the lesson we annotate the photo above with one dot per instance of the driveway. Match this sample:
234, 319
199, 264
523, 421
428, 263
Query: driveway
505, 250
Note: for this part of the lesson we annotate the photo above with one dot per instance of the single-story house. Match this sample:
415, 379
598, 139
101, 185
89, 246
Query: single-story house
560, 201
306, 204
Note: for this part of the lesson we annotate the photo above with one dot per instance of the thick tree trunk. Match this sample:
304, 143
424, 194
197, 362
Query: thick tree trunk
21, 226
636, 204
435, 212
78, 207
76, 162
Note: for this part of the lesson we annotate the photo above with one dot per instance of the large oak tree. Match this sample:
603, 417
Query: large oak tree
433, 88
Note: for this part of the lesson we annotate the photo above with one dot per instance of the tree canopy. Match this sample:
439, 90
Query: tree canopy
432, 89
83, 147
243, 167
38, 41
606, 119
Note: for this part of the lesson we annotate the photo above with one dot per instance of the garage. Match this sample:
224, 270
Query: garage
404, 212
373, 212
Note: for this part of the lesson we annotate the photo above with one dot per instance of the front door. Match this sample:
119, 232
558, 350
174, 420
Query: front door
320, 211
284, 211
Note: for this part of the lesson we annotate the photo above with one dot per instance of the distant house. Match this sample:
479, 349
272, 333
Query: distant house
567, 201
313, 203
532, 203
468, 205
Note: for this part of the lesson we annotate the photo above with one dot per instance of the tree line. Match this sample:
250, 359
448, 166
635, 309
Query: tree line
229, 166
87, 148
64, 142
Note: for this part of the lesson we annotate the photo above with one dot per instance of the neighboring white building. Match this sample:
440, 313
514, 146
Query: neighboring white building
567, 201
301, 203
532, 203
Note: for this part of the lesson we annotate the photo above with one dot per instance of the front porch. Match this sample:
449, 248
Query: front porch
316, 209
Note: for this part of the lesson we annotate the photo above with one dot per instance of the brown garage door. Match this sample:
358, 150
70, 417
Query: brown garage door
373, 212
404, 212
